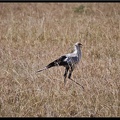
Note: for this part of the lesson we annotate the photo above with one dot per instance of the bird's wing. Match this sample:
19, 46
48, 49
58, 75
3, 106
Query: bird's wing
71, 58
58, 62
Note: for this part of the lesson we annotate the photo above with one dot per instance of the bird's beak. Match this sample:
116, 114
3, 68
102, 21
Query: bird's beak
81, 45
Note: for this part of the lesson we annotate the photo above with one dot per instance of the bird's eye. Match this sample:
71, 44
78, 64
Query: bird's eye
79, 44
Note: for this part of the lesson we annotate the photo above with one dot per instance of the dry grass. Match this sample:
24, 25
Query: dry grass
34, 34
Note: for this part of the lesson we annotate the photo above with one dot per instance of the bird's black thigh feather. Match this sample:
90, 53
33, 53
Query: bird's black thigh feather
70, 72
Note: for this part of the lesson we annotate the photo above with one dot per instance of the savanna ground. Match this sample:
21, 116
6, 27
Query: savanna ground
34, 34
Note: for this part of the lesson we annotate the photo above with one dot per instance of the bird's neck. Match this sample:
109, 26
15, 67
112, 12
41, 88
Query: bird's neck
77, 51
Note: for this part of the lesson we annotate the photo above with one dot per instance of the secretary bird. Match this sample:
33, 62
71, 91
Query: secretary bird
68, 61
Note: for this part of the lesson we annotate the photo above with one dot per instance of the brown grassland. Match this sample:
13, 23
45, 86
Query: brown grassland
34, 34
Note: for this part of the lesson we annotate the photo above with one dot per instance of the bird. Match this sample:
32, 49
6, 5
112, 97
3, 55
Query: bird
69, 61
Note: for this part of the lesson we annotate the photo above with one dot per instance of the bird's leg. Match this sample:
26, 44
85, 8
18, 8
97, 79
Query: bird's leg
69, 76
70, 72
65, 74
77, 83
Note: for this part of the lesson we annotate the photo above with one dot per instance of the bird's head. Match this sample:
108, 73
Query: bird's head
78, 44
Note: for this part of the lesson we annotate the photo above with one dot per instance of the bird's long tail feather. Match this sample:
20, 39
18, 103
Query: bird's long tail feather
52, 64
42, 69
